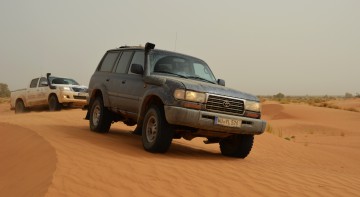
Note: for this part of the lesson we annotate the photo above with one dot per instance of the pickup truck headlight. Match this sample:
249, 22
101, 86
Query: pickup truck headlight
252, 106
187, 95
65, 88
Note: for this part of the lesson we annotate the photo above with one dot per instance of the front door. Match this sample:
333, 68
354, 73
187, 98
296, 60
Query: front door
135, 86
42, 96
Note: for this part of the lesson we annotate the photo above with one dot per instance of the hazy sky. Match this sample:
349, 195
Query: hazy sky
262, 47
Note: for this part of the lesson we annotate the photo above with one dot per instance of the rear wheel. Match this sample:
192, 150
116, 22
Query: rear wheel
157, 134
19, 107
100, 116
237, 145
54, 104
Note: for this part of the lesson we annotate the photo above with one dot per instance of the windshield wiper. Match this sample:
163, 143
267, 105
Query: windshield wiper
182, 76
202, 79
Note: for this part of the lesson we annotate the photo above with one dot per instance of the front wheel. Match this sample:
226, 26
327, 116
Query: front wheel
157, 134
100, 117
54, 104
237, 145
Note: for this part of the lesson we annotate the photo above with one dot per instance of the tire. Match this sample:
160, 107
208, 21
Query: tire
54, 104
19, 107
100, 116
237, 145
157, 134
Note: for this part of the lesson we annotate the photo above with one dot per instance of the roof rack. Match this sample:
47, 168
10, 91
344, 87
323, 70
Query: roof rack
125, 46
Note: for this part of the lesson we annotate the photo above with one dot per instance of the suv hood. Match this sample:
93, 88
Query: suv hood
200, 86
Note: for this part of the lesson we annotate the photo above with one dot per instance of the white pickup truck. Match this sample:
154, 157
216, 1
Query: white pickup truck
51, 91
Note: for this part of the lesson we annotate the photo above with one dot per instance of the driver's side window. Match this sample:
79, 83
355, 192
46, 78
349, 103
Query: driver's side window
138, 58
202, 71
43, 81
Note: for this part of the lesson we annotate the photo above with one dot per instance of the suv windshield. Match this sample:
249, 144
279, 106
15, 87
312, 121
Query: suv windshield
180, 65
59, 80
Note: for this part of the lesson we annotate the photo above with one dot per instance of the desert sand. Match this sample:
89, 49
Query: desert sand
55, 154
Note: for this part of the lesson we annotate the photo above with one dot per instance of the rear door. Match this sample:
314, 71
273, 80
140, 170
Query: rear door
104, 74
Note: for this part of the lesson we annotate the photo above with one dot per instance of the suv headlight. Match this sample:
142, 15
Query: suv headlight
252, 106
65, 88
187, 95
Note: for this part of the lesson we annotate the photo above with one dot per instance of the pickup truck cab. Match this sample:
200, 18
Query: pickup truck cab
61, 92
171, 95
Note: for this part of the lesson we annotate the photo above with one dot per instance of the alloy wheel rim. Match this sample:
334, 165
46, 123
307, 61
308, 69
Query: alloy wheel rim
151, 129
96, 115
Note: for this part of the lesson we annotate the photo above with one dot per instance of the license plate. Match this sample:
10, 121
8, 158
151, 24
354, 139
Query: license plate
227, 122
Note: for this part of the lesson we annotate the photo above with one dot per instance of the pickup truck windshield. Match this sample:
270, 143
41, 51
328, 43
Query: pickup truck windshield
181, 66
59, 80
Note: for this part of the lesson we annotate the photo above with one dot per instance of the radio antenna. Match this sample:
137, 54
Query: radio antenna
175, 41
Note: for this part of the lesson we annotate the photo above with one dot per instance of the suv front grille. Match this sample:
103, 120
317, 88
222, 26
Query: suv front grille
225, 105
79, 89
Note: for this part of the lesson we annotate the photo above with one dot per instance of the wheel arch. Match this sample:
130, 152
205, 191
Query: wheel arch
52, 94
147, 102
100, 90
94, 93
20, 99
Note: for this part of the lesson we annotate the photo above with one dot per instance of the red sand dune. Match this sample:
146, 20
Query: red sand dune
55, 154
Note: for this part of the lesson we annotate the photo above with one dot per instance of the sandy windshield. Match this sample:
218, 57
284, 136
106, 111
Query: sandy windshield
66, 81
180, 65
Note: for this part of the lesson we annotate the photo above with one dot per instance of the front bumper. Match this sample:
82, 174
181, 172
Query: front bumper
204, 120
77, 98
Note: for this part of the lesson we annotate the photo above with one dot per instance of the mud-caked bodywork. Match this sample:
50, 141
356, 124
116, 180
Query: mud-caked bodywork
171, 95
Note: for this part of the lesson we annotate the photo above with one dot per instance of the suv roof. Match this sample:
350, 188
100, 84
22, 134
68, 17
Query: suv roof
143, 48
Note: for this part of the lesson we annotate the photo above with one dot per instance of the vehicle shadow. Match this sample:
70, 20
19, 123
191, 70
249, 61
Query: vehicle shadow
124, 142
46, 109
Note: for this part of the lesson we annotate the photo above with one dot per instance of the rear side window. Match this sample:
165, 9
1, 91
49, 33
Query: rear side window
34, 83
108, 62
124, 62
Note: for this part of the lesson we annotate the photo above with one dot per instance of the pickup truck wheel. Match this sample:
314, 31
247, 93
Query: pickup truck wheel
100, 117
19, 107
157, 134
237, 145
54, 104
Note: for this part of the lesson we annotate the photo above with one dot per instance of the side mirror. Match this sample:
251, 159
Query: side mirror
221, 82
137, 69
43, 83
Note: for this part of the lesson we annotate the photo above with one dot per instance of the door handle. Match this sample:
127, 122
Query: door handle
107, 80
123, 82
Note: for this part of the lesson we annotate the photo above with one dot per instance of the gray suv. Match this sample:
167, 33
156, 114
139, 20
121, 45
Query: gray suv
171, 95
